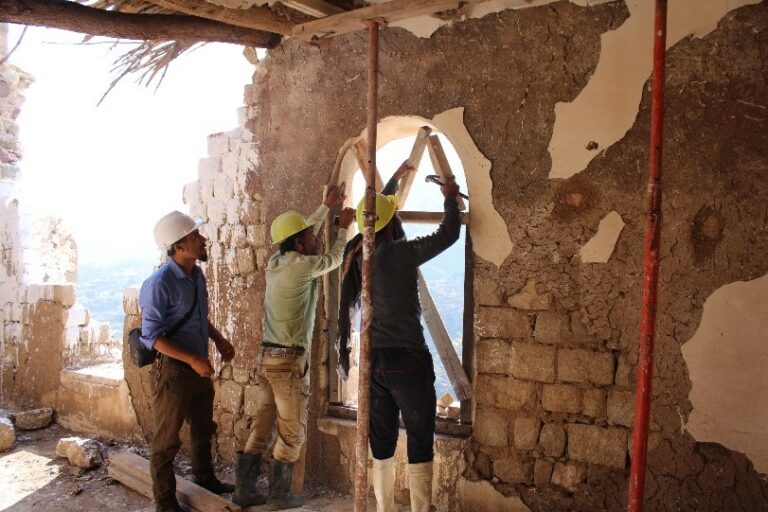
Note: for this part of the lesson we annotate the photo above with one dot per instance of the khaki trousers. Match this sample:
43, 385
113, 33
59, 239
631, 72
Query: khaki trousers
180, 394
282, 396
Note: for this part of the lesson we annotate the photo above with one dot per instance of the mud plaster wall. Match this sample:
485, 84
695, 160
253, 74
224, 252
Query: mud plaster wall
43, 329
555, 337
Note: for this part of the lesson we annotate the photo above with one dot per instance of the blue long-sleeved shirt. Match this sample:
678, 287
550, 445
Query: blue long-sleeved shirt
165, 298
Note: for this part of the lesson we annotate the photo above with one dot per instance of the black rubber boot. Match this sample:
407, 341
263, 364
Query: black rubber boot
247, 469
280, 497
214, 485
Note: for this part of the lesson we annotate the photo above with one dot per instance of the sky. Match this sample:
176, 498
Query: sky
111, 171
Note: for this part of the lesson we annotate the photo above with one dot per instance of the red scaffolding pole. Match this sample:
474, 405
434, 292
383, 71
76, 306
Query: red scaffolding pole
650, 266
364, 365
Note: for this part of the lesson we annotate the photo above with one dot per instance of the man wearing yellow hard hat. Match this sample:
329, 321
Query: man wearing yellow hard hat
402, 374
289, 319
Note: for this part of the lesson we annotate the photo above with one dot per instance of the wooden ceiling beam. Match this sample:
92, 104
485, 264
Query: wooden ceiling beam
314, 8
392, 11
256, 18
141, 27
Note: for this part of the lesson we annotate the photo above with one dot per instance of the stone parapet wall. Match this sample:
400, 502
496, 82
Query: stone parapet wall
43, 329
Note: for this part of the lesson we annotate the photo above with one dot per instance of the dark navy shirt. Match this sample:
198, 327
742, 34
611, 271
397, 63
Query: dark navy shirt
165, 298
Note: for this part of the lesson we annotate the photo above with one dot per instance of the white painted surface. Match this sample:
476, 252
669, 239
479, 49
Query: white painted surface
727, 360
600, 247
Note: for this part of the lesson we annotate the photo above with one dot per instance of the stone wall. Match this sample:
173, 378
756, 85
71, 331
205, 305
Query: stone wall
556, 327
43, 328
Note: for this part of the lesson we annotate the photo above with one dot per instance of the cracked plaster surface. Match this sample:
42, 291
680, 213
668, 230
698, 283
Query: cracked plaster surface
600, 247
613, 94
490, 237
726, 359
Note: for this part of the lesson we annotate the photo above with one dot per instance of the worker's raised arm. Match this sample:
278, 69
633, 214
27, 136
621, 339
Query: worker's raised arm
335, 196
324, 263
425, 248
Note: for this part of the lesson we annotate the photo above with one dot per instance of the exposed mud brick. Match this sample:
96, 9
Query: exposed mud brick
130, 302
623, 373
218, 144
569, 476
561, 398
227, 447
621, 408
240, 375
246, 263
525, 433
191, 193
231, 396
487, 292
491, 427
578, 365
597, 445
594, 403
513, 471
552, 440
528, 298
64, 294
542, 472
226, 424
208, 168
250, 400
502, 323
552, 327
505, 392
33, 419
81, 452
492, 355
7, 434
532, 361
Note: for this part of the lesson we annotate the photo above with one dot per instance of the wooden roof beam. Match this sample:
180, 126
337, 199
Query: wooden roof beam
354, 20
256, 18
314, 8
141, 27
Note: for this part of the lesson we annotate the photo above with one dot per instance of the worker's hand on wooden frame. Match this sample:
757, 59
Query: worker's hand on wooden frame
335, 195
346, 217
404, 169
450, 188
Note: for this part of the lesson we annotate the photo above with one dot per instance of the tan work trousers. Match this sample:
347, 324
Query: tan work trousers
283, 395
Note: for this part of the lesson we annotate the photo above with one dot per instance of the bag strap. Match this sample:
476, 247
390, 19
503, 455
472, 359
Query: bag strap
178, 325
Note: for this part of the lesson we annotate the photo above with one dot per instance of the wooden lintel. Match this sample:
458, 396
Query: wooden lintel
441, 165
418, 217
361, 154
314, 8
258, 18
414, 160
443, 344
392, 11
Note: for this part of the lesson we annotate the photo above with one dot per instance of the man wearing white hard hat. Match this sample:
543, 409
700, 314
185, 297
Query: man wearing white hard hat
175, 300
289, 319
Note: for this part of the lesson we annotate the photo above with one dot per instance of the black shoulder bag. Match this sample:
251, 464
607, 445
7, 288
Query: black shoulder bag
141, 355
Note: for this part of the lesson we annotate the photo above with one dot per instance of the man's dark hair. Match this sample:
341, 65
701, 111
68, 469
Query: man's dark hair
172, 249
289, 244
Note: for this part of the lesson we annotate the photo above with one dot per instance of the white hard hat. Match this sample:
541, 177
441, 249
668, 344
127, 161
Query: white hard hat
173, 227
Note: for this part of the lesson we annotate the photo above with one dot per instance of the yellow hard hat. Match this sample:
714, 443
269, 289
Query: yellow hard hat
287, 224
386, 206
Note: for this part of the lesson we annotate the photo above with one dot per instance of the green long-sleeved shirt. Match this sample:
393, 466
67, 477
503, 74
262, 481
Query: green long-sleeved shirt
291, 296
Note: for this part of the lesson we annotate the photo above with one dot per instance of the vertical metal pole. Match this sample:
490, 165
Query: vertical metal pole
363, 393
650, 267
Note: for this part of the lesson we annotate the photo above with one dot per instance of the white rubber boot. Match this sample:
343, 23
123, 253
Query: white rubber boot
384, 484
420, 486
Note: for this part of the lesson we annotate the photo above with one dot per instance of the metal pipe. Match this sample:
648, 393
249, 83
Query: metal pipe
364, 366
650, 266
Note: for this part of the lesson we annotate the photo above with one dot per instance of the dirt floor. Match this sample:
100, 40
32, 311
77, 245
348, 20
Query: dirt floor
32, 478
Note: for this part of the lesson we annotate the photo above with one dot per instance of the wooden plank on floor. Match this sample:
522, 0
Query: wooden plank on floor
130, 481
414, 159
133, 467
443, 344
